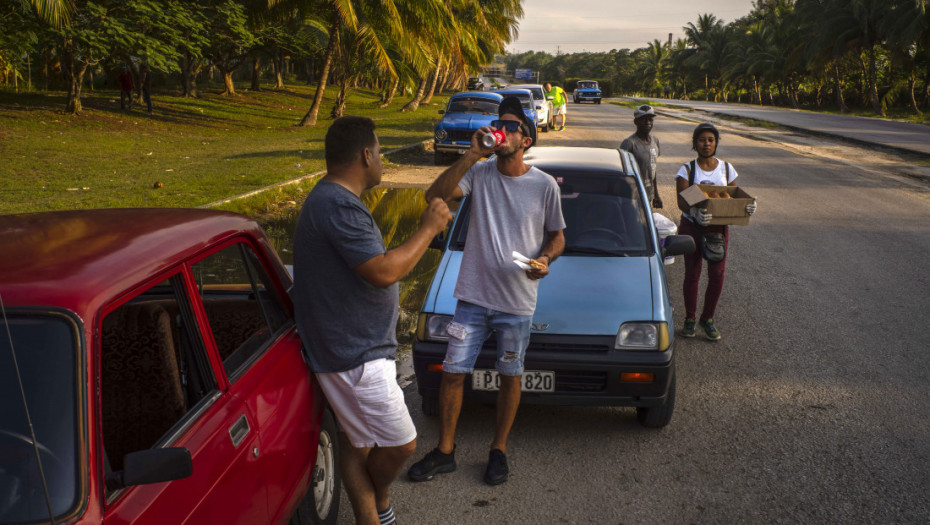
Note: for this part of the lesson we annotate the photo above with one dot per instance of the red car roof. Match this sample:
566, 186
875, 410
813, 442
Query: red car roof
79, 259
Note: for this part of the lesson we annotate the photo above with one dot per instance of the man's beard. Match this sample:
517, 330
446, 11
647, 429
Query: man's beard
505, 154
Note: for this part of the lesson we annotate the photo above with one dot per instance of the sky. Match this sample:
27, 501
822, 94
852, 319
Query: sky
570, 26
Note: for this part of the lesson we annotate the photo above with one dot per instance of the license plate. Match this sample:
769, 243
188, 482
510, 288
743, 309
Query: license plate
532, 381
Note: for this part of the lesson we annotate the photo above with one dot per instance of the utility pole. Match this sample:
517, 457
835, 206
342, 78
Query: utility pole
669, 40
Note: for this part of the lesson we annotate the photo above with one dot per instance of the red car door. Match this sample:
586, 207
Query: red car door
160, 387
256, 340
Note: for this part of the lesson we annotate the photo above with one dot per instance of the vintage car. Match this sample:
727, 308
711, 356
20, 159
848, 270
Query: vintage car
477, 84
526, 100
463, 115
545, 120
603, 330
586, 91
151, 372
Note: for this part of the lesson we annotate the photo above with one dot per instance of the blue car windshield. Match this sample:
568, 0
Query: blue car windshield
46, 349
604, 216
473, 105
587, 85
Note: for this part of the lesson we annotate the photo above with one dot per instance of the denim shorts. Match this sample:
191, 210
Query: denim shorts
473, 324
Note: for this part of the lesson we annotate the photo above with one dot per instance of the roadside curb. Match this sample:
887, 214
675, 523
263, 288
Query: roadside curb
302, 178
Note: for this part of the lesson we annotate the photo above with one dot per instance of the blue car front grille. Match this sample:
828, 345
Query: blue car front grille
461, 135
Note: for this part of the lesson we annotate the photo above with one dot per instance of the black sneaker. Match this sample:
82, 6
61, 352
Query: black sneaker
434, 463
497, 470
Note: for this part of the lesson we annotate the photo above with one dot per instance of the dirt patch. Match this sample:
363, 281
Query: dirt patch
412, 167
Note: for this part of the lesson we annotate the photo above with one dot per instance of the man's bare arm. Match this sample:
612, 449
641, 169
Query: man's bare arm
388, 268
555, 245
446, 186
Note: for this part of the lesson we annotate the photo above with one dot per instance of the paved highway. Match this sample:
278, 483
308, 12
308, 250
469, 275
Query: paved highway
813, 408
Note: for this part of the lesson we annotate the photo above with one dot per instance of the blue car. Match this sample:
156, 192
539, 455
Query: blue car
526, 100
603, 327
587, 91
464, 114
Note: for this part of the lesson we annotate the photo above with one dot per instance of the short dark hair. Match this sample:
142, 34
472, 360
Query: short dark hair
346, 138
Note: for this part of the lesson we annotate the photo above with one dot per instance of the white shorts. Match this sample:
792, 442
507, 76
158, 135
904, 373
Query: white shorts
560, 110
369, 404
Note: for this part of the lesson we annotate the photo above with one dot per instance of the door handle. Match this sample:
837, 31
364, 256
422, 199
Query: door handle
239, 430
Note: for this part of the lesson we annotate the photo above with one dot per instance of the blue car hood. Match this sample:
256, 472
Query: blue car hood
581, 295
466, 120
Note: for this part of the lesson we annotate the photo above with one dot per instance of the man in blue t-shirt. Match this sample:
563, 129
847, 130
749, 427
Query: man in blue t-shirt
346, 302
514, 207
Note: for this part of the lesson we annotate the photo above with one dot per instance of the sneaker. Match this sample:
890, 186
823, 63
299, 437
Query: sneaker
710, 330
688, 329
561, 128
497, 470
434, 463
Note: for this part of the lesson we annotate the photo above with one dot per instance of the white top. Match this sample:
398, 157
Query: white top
717, 177
508, 214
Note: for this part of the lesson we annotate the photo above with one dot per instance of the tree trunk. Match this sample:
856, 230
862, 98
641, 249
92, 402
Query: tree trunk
432, 85
873, 84
74, 76
838, 86
256, 74
190, 68
310, 118
340, 105
390, 93
414, 104
911, 83
227, 80
278, 63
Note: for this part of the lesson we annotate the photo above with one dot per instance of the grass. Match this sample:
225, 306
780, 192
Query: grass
189, 153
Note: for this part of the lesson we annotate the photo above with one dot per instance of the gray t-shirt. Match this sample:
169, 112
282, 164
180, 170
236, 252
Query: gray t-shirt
647, 156
343, 320
507, 214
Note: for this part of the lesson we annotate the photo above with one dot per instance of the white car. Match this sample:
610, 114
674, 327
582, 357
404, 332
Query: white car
543, 105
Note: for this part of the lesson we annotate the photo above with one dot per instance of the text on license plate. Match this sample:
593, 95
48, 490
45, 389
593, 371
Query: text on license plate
532, 381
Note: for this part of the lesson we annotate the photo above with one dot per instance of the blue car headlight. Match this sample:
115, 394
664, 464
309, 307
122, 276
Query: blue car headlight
441, 134
642, 336
432, 327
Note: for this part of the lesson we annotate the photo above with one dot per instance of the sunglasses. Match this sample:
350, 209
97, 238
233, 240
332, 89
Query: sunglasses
508, 125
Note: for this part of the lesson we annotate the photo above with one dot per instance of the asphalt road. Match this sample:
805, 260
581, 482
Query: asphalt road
904, 136
813, 408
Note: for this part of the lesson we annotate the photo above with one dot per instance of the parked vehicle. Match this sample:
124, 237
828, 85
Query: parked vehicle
162, 373
602, 333
544, 117
526, 100
477, 84
463, 115
587, 91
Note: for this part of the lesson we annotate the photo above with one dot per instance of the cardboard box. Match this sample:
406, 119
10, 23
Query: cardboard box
730, 211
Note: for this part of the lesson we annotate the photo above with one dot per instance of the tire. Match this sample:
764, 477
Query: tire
658, 416
598, 101
430, 405
545, 129
320, 505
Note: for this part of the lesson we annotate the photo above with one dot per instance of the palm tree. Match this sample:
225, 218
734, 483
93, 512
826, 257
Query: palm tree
55, 13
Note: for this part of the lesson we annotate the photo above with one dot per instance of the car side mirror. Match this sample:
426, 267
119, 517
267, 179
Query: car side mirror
677, 245
154, 465
441, 111
439, 241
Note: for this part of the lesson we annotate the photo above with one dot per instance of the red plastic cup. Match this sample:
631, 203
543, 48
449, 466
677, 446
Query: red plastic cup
493, 139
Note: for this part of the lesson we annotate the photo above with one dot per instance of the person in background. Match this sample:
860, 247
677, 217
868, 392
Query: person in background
559, 103
645, 148
346, 306
125, 88
514, 207
705, 169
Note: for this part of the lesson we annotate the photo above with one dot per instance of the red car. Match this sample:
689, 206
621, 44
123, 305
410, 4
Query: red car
151, 372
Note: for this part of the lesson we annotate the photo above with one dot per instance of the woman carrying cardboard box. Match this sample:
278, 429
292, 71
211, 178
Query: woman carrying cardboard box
711, 240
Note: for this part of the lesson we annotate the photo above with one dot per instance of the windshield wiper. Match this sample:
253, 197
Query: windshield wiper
596, 251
